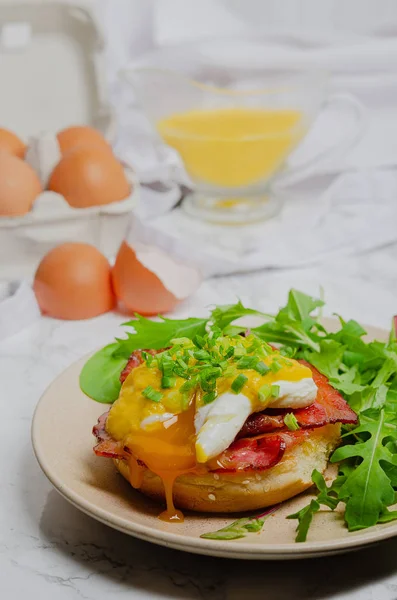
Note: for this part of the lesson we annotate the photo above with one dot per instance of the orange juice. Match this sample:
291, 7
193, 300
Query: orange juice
232, 147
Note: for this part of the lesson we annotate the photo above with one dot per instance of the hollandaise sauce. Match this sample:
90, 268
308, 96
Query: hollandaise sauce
233, 147
181, 409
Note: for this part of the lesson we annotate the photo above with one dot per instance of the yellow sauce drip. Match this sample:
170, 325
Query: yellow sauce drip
171, 514
136, 472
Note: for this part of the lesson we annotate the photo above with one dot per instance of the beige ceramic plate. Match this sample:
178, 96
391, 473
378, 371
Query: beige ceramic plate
63, 444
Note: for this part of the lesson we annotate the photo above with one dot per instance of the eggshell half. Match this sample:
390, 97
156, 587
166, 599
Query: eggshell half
148, 281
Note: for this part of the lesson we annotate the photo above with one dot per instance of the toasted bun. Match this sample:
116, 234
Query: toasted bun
232, 492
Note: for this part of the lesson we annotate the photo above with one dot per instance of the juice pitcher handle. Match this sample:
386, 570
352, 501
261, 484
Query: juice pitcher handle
357, 113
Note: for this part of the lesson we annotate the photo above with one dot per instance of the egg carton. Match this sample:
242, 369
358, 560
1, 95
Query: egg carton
53, 76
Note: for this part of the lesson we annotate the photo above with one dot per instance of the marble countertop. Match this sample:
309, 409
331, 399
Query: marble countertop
48, 549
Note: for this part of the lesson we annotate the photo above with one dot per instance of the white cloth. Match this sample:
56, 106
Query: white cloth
358, 212
18, 308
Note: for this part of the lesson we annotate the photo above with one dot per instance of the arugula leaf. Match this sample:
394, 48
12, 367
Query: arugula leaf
235, 530
293, 326
240, 528
290, 333
157, 334
387, 516
328, 359
305, 517
222, 316
368, 490
326, 495
347, 382
299, 306
100, 376
349, 332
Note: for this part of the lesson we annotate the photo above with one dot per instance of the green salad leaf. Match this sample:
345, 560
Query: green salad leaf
100, 376
325, 495
222, 316
157, 334
240, 528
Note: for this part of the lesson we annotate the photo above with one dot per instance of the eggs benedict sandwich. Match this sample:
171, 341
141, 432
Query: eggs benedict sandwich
221, 423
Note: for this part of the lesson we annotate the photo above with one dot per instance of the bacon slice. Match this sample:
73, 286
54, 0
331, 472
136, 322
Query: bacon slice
134, 361
255, 454
106, 446
262, 422
329, 407
250, 454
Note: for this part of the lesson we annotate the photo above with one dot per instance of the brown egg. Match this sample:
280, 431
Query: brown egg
89, 176
11, 143
19, 186
143, 291
73, 281
80, 135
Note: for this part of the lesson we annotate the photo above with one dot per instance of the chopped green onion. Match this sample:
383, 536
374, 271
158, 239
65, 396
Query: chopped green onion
181, 363
214, 334
262, 368
239, 383
201, 355
264, 392
151, 394
181, 372
211, 373
256, 344
239, 351
223, 364
209, 397
247, 362
275, 366
291, 422
167, 365
199, 341
208, 378
188, 385
275, 391
229, 352
167, 382
148, 358
229, 371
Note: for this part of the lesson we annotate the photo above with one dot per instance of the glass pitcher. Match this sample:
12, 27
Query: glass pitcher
234, 143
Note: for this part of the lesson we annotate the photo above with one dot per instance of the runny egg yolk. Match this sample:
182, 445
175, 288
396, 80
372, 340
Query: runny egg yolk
162, 434
167, 447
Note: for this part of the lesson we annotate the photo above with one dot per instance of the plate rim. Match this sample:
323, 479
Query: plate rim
197, 545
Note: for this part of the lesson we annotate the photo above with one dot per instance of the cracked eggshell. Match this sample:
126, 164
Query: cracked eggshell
149, 281
43, 154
